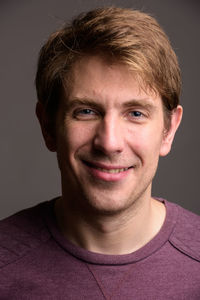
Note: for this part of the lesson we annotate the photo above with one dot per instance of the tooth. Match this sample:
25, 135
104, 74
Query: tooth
112, 171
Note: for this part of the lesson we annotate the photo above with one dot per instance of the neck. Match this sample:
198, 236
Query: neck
121, 233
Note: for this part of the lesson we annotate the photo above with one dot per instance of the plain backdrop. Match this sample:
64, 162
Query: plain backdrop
28, 172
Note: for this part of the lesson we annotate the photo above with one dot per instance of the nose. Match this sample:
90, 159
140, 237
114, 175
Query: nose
109, 137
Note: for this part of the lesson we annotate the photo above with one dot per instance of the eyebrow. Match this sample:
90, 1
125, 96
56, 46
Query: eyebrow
71, 103
143, 102
77, 101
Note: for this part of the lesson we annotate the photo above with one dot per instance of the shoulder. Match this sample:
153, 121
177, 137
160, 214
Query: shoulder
186, 234
22, 232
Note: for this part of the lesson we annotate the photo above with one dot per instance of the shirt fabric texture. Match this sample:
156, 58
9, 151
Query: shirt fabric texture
37, 262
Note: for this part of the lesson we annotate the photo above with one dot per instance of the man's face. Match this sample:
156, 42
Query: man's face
109, 136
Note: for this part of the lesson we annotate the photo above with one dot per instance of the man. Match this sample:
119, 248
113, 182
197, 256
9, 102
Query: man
108, 89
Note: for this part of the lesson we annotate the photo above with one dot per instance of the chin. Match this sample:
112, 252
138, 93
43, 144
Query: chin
106, 205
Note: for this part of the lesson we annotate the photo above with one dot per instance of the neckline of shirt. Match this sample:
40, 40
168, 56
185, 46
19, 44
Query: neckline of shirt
105, 259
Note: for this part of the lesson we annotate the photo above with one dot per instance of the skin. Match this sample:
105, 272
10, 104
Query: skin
109, 136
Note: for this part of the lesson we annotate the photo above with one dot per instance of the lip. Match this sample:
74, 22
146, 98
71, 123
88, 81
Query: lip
107, 172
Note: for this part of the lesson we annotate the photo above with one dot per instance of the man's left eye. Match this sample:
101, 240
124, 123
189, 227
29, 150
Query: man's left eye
136, 114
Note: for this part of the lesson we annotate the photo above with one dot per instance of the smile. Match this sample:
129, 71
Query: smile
112, 171
107, 173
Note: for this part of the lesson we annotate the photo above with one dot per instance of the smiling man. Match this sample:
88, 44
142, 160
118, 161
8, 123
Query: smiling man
108, 89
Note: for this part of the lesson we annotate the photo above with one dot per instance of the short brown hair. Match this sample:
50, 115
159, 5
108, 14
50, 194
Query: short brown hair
128, 36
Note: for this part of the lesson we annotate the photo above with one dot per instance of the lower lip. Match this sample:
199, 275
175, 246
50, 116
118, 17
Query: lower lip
108, 176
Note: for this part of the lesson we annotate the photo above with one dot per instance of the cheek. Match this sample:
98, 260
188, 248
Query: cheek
145, 142
76, 136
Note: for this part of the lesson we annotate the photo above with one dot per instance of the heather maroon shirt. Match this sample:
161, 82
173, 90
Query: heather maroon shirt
37, 262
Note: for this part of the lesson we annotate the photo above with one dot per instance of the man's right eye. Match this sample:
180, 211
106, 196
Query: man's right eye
86, 111
85, 114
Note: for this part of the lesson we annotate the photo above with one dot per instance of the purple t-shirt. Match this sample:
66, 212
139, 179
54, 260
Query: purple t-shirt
37, 262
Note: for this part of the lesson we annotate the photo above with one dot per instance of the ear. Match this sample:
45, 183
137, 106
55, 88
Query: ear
169, 134
45, 127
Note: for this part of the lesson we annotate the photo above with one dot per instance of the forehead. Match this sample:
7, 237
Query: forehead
96, 71
101, 79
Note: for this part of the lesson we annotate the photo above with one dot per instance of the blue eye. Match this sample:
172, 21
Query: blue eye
136, 114
85, 114
86, 111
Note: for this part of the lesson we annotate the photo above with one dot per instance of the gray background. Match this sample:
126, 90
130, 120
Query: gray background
28, 172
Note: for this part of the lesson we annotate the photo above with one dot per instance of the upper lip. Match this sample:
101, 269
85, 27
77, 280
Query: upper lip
105, 166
